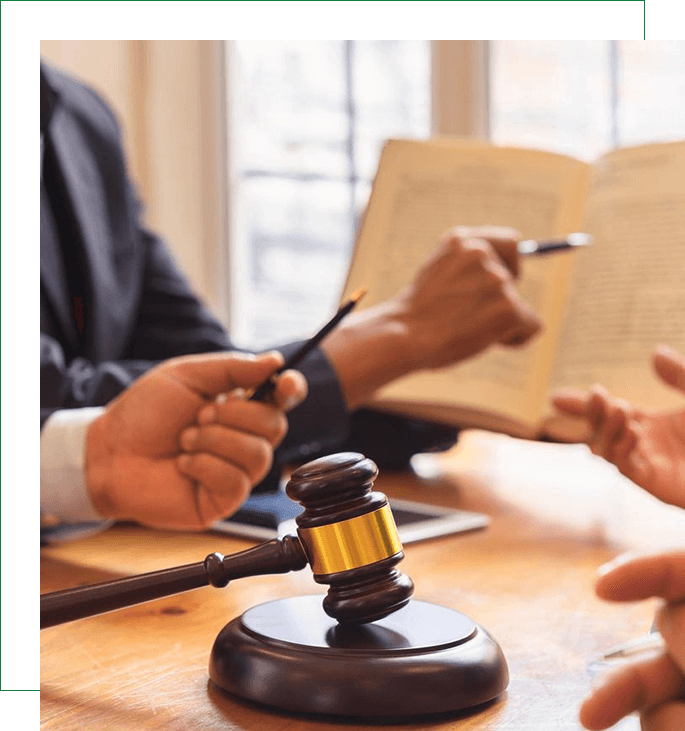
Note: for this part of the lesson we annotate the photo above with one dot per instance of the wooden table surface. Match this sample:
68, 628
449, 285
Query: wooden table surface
557, 514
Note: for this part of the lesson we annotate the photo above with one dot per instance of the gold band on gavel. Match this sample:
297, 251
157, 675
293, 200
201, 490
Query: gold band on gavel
351, 543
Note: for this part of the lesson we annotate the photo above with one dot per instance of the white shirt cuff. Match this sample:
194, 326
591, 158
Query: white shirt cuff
63, 491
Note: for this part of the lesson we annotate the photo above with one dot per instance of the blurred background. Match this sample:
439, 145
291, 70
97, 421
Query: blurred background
256, 158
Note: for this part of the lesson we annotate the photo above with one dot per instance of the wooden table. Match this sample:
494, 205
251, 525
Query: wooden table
557, 514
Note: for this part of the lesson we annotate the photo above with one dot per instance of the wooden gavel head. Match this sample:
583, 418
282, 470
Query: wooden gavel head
349, 535
346, 533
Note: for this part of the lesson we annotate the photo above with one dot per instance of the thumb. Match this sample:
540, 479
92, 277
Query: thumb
214, 373
632, 577
670, 366
570, 401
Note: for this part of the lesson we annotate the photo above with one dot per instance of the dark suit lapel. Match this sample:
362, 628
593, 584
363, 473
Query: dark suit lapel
86, 191
52, 274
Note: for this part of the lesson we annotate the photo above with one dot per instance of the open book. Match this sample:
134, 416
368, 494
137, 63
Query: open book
605, 307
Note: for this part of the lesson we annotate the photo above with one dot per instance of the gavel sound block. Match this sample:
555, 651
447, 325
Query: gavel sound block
369, 652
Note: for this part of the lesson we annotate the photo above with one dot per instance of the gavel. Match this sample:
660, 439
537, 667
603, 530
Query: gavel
346, 533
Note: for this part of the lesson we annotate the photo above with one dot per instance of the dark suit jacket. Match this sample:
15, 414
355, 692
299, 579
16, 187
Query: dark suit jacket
139, 309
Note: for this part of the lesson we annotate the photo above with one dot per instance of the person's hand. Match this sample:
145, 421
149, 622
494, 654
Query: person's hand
464, 298
655, 687
647, 447
149, 459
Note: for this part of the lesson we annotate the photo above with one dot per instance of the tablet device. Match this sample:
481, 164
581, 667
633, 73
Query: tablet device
270, 515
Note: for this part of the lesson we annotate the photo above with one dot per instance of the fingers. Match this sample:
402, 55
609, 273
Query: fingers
624, 450
250, 417
231, 448
608, 416
636, 687
503, 239
507, 250
249, 453
461, 301
671, 624
225, 463
653, 685
258, 417
597, 407
613, 433
670, 366
630, 578
526, 323
291, 390
214, 373
222, 486
666, 717
613, 430
571, 401
512, 321
503, 319
233, 442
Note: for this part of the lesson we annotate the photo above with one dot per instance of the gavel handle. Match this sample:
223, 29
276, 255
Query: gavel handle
278, 556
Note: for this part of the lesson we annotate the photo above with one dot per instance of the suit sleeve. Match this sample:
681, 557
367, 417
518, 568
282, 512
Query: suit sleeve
173, 322
322, 425
80, 383
170, 321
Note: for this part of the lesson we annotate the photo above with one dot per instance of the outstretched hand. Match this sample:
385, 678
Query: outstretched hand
149, 459
647, 446
655, 687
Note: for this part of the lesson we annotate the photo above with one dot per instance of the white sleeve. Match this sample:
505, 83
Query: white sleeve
63, 493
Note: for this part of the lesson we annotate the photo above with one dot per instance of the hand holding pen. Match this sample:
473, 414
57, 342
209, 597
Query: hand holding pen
221, 445
265, 390
528, 247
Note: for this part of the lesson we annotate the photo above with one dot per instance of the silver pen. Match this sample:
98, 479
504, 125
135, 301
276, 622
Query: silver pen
533, 247
653, 642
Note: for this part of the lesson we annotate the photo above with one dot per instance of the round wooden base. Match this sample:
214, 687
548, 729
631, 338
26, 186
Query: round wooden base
423, 659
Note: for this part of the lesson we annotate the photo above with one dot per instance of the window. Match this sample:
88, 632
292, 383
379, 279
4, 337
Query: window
310, 122
310, 118
584, 97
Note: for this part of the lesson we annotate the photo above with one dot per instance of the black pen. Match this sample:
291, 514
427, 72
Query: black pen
263, 391
532, 247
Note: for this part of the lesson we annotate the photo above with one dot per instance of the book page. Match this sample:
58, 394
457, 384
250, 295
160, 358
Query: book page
628, 290
425, 188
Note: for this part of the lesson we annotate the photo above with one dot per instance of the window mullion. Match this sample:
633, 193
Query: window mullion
613, 91
351, 129
460, 88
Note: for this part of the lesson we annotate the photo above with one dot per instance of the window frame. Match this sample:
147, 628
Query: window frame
459, 106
